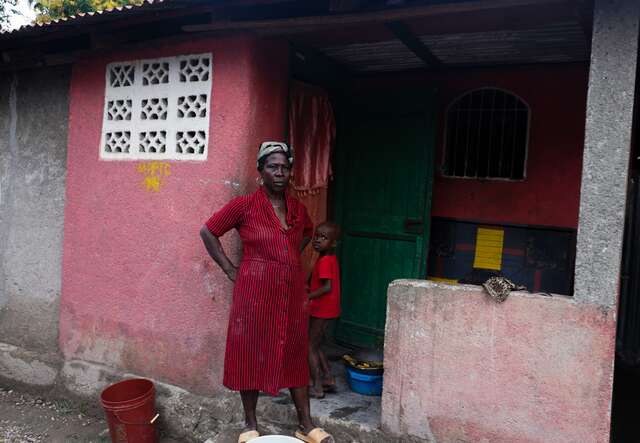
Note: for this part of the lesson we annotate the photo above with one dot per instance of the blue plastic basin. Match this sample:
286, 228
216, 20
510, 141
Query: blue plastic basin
363, 383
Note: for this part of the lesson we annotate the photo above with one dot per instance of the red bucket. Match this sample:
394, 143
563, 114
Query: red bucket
131, 412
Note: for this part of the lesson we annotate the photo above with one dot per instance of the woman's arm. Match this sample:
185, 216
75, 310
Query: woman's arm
214, 248
324, 289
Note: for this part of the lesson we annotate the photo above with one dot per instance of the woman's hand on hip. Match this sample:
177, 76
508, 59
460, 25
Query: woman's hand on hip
214, 248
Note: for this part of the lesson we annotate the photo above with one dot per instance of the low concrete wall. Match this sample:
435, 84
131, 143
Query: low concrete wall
463, 368
33, 154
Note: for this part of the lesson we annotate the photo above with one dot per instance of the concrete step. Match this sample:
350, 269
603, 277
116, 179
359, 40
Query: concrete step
348, 416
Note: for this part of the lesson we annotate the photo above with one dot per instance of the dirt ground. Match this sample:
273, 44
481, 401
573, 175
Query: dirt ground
26, 418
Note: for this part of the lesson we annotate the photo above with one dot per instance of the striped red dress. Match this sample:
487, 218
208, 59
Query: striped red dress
267, 341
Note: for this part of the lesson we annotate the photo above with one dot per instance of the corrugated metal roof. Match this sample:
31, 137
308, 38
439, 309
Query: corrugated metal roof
83, 16
556, 43
390, 55
564, 42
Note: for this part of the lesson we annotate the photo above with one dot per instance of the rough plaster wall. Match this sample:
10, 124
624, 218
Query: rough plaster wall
33, 140
462, 368
6, 126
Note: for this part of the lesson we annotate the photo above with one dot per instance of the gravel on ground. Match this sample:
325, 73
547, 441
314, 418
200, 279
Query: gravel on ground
28, 418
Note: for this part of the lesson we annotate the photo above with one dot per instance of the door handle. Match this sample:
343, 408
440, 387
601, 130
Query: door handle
414, 225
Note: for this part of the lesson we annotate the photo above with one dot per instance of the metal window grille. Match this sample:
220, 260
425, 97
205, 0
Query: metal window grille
487, 132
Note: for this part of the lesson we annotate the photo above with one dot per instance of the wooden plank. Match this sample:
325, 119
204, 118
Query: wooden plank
404, 34
451, 281
399, 14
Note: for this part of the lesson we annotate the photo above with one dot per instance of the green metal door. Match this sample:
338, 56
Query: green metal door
382, 200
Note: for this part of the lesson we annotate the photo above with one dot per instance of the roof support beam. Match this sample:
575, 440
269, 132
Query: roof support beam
584, 13
312, 66
404, 34
311, 23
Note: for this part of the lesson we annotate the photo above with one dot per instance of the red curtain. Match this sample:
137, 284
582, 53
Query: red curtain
317, 206
312, 132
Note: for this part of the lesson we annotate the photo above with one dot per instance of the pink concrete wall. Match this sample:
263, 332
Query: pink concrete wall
138, 291
462, 368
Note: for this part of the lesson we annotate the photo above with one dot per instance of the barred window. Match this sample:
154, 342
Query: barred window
157, 109
486, 136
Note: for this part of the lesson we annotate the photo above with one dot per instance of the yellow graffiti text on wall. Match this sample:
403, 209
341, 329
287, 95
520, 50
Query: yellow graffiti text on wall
154, 174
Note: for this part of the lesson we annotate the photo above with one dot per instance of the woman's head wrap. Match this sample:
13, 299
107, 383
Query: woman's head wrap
268, 148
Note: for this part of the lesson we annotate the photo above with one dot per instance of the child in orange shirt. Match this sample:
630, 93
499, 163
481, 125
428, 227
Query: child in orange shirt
324, 298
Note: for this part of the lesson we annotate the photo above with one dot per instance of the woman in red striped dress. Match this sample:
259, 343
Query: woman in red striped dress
267, 341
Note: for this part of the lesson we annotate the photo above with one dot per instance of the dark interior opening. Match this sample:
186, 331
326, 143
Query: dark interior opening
625, 427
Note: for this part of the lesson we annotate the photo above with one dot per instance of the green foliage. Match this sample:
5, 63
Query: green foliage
55, 9
7, 8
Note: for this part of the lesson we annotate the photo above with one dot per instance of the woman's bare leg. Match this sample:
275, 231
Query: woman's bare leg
300, 398
249, 403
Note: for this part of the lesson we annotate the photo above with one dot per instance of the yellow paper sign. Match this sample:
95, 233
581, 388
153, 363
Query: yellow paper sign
489, 245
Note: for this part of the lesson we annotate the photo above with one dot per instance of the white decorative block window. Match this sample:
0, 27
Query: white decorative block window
157, 109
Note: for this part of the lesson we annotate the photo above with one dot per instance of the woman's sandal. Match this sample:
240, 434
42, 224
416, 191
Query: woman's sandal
247, 436
316, 435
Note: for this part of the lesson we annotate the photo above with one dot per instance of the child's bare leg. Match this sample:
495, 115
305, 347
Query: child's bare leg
327, 378
315, 338
324, 363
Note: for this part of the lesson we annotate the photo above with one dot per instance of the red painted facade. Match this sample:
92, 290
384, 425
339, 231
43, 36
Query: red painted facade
550, 194
139, 292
